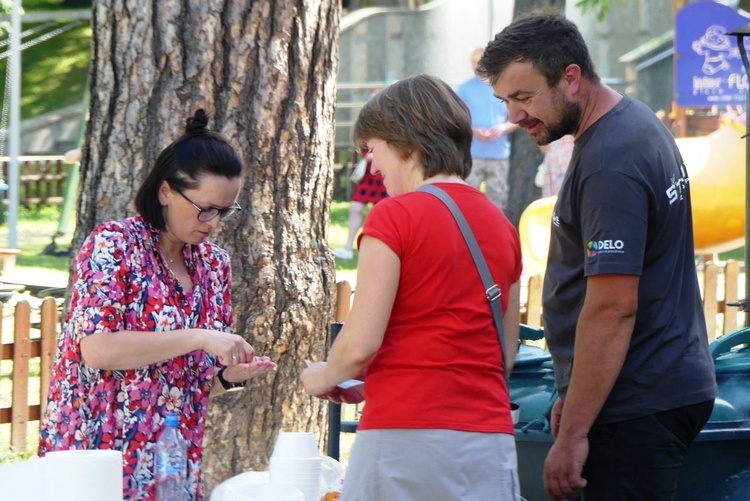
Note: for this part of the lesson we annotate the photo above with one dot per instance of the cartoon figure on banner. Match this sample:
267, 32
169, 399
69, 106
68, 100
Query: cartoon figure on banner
716, 48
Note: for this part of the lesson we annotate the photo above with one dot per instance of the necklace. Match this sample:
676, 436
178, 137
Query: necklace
168, 259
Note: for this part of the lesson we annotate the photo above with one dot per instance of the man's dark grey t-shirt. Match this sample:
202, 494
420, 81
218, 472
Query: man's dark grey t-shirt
624, 208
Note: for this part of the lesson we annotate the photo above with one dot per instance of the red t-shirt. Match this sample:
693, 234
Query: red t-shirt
440, 364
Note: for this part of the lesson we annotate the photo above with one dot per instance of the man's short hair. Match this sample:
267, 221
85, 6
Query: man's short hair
542, 37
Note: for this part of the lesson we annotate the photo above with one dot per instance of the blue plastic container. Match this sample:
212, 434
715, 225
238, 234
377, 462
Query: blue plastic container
717, 466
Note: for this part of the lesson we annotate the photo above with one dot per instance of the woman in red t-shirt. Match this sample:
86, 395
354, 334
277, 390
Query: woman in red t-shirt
437, 422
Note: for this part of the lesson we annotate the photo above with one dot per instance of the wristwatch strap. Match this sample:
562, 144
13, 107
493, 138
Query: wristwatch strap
227, 384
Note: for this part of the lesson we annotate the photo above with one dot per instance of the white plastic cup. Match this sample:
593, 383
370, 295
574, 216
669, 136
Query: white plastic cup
295, 444
302, 469
263, 492
515, 412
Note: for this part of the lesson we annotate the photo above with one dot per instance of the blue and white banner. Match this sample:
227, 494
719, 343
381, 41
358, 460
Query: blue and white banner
708, 66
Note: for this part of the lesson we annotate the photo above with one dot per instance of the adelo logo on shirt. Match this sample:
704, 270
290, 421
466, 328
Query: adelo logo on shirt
595, 247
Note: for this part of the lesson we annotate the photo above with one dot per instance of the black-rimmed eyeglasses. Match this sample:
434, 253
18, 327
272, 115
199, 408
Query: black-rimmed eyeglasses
209, 213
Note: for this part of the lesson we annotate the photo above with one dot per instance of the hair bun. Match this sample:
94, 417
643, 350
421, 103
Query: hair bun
197, 123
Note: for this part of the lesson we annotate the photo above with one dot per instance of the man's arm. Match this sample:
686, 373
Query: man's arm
603, 335
605, 327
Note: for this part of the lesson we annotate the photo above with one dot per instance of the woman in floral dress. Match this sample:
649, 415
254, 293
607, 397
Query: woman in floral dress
149, 327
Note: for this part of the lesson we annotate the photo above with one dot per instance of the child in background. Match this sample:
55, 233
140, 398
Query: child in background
369, 190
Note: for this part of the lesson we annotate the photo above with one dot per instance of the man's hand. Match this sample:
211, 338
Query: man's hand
495, 132
564, 467
481, 133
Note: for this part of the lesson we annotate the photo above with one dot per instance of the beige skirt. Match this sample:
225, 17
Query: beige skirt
431, 465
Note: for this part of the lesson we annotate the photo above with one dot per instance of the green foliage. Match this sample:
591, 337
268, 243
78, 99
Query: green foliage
6, 6
601, 7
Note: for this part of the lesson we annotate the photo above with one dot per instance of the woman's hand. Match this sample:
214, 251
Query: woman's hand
314, 380
231, 349
259, 366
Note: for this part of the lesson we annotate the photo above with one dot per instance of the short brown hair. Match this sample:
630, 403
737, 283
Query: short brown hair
543, 37
421, 114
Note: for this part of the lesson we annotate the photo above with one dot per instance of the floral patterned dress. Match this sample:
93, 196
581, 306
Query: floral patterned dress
121, 282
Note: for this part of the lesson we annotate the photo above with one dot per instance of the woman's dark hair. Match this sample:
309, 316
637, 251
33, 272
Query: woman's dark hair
421, 114
542, 37
198, 151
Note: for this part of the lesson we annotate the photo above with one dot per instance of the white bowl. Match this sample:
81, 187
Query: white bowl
263, 492
246, 478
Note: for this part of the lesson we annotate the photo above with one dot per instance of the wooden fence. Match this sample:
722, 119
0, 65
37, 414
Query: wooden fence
719, 285
21, 351
41, 178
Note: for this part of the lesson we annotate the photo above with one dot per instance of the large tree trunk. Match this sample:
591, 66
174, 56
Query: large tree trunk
525, 156
265, 70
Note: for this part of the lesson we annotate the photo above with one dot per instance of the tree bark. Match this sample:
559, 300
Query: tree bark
525, 156
265, 71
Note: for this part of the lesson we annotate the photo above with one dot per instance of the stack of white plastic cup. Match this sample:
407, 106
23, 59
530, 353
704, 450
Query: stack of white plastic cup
263, 492
296, 461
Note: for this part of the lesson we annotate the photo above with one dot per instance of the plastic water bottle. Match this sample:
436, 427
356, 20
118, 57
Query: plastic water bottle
171, 462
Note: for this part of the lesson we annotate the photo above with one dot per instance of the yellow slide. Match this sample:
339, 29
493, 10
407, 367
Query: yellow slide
716, 167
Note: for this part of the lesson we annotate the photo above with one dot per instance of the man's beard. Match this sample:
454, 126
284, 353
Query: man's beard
568, 124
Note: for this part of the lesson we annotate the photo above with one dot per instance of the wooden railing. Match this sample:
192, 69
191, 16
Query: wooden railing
720, 319
41, 178
21, 351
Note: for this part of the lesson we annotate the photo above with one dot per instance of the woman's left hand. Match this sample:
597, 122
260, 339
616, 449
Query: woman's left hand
314, 381
259, 366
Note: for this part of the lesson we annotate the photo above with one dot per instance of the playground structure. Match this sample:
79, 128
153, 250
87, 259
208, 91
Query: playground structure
716, 168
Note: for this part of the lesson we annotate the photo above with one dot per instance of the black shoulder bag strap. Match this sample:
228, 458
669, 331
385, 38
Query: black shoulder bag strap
492, 291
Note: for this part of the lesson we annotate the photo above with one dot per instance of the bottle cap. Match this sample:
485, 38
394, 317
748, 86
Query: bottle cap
171, 420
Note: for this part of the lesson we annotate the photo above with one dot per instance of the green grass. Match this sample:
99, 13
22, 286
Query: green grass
35, 230
53, 73
337, 233
58, 79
